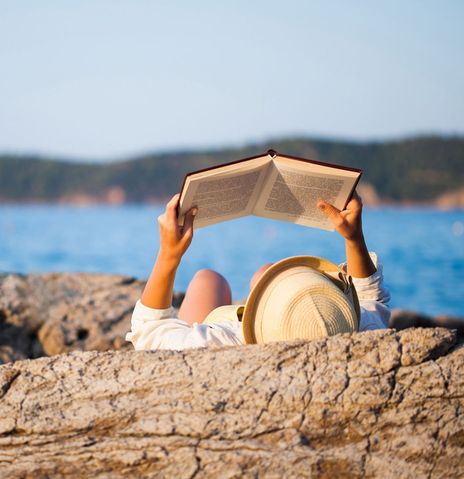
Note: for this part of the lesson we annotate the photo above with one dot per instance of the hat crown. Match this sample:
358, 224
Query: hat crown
297, 301
288, 299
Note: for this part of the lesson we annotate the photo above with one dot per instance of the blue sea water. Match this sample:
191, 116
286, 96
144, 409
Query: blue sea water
422, 250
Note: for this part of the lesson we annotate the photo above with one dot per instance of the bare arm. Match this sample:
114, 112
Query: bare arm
174, 241
349, 224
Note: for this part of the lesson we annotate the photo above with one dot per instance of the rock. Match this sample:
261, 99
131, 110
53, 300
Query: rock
94, 315
58, 312
375, 404
52, 313
402, 319
20, 304
451, 199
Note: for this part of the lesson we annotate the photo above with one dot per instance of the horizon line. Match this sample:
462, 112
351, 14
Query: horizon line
189, 149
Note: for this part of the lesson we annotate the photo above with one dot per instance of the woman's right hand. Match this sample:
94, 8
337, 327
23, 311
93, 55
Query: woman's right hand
175, 239
347, 222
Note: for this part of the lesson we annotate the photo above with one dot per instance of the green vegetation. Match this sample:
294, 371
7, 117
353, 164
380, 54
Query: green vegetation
417, 169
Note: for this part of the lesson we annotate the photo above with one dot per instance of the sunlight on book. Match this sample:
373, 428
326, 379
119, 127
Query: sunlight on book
272, 185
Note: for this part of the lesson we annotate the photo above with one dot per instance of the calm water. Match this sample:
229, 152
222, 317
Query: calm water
422, 250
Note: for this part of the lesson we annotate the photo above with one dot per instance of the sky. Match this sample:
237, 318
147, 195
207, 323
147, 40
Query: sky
101, 80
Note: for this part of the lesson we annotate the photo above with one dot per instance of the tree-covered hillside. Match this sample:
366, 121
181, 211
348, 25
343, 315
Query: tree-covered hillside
418, 169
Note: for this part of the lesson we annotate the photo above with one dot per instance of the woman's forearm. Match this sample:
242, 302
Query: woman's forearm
158, 290
358, 260
174, 241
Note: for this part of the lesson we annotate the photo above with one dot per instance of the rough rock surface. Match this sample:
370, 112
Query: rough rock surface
377, 404
403, 319
52, 313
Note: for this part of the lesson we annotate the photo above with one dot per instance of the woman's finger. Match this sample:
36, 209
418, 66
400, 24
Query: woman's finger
171, 209
187, 229
331, 212
173, 201
355, 204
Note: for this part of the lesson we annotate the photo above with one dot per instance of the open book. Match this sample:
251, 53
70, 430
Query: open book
271, 185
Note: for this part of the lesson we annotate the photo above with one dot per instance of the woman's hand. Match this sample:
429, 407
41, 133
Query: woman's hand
347, 222
175, 239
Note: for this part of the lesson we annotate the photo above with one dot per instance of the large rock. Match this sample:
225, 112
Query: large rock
377, 404
58, 312
403, 319
52, 313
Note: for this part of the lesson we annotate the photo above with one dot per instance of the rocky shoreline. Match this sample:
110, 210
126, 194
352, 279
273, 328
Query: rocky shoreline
376, 404
54, 313
115, 196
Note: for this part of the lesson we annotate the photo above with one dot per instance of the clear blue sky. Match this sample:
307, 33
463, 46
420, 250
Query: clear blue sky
104, 79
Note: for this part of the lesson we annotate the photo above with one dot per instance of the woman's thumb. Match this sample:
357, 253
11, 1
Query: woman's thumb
330, 211
188, 220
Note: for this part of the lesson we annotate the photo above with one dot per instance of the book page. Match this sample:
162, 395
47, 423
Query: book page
223, 196
291, 194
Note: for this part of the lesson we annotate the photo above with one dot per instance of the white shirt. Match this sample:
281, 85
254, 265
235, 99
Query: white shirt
162, 329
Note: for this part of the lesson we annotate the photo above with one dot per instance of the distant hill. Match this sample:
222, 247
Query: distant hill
423, 169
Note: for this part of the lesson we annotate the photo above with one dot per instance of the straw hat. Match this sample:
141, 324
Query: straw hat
301, 297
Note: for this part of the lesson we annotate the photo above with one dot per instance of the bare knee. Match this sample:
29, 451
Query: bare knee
258, 274
209, 276
212, 280
207, 291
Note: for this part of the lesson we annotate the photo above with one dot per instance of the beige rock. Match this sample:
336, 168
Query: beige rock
451, 199
58, 312
94, 315
402, 319
46, 314
377, 404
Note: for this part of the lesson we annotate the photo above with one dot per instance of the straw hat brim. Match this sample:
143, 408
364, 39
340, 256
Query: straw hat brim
329, 269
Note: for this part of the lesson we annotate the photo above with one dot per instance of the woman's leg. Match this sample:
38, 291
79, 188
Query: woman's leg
207, 291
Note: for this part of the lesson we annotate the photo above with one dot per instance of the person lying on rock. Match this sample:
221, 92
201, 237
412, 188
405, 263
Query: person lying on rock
301, 297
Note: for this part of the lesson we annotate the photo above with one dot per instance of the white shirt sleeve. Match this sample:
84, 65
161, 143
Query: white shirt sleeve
373, 298
162, 329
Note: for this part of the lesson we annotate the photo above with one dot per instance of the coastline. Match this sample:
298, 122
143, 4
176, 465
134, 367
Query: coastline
116, 196
160, 201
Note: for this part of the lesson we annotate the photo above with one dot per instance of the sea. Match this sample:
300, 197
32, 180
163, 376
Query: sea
421, 249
